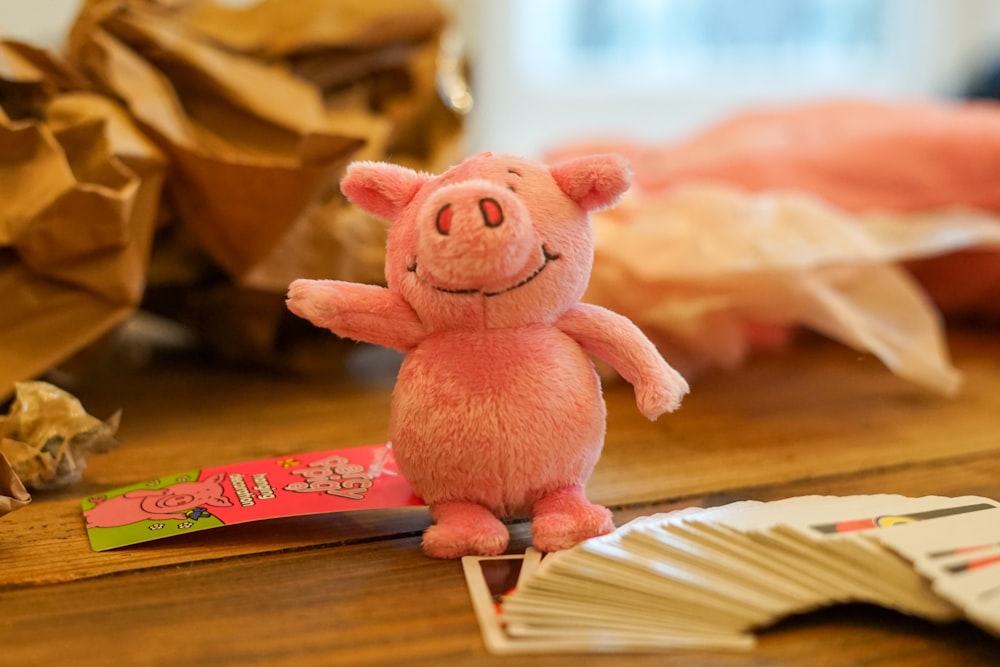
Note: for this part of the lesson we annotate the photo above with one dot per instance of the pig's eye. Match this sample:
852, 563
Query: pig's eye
515, 173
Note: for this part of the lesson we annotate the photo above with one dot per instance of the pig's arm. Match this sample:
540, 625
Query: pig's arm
615, 339
362, 312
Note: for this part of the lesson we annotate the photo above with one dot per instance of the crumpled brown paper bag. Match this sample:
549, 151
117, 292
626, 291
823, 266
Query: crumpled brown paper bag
13, 495
251, 147
379, 55
81, 188
376, 61
259, 109
48, 436
277, 28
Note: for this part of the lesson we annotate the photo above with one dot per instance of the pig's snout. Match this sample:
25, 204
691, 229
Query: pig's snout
474, 236
489, 208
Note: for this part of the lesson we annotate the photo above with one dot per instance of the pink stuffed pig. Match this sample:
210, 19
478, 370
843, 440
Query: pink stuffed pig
497, 411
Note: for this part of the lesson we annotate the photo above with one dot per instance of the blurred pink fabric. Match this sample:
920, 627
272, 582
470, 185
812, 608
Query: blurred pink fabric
859, 155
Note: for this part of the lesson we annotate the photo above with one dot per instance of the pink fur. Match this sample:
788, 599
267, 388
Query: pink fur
497, 410
381, 189
618, 341
362, 312
594, 182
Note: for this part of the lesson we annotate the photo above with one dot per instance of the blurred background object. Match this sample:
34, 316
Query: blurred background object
81, 185
250, 110
551, 72
769, 98
254, 109
48, 436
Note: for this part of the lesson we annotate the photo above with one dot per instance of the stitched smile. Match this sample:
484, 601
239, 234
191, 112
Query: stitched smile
548, 257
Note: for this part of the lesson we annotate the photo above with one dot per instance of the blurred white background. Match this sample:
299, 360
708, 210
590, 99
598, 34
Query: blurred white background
42, 22
547, 72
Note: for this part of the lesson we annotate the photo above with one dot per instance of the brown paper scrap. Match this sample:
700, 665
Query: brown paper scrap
48, 436
13, 495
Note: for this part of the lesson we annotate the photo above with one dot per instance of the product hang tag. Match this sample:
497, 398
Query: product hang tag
341, 480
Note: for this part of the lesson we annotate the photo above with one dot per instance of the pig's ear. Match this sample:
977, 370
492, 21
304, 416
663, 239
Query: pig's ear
594, 182
380, 188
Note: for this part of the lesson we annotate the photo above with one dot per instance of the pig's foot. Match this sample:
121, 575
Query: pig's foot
464, 529
565, 517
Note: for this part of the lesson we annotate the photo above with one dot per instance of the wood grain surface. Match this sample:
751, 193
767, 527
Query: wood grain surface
355, 589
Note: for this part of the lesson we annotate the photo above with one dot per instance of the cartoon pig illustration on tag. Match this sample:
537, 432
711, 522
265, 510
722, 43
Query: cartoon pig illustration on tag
170, 502
497, 411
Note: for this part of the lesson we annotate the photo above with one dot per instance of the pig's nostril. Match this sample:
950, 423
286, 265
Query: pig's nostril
443, 222
492, 213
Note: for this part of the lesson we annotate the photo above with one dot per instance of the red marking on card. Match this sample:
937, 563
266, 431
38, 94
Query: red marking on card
857, 524
974, 564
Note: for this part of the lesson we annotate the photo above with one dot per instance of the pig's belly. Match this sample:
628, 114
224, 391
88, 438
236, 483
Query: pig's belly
497, 417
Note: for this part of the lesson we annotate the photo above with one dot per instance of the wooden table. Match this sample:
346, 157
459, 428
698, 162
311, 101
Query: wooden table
355, 589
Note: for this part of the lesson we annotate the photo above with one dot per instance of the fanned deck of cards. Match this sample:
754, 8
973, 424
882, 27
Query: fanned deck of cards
708, 578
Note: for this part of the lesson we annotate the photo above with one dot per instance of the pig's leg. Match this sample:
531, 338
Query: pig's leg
565, 517
464, 529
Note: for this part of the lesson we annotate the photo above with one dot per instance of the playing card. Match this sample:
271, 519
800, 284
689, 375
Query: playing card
803, 591
708, 577
492, 579
742, 580
489, 579
959, 552
745, 528
593, 588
